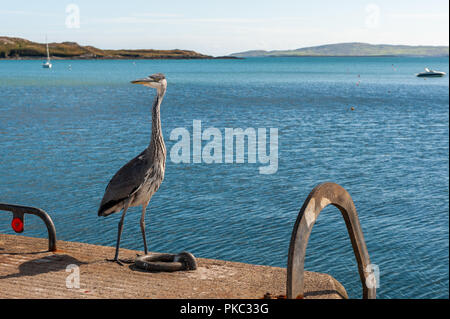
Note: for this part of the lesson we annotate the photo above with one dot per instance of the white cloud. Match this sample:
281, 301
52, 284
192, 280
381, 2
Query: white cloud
26, 13
148, 18
419, 16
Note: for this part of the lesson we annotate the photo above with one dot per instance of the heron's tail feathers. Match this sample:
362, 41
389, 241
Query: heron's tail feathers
110, 207
105, 213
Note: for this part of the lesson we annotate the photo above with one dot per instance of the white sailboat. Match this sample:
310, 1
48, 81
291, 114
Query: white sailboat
47, 64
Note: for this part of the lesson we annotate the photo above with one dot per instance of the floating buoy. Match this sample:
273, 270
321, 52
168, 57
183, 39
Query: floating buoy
352, 108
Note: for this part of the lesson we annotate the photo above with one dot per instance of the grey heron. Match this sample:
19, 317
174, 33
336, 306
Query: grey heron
136, 182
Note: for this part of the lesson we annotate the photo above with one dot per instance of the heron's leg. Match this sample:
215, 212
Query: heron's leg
144, 207
116, 257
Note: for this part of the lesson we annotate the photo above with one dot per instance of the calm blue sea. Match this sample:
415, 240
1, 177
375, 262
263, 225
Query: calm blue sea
64, 132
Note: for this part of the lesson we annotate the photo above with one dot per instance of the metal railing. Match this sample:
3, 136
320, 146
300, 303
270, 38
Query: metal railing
18, 220
320, 197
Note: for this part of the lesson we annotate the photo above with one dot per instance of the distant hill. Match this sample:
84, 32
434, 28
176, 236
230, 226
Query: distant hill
16, 48
353, 49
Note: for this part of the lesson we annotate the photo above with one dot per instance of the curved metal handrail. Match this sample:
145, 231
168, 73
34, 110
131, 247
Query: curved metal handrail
320, 197
19, 211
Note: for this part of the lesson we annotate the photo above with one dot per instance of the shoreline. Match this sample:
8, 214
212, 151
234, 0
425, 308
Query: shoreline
347, 56
213, 58
119, 58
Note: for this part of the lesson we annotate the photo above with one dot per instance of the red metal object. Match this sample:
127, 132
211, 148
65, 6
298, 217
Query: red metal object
17, 225
18, 216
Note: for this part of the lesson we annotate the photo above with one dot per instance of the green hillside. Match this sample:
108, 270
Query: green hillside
354, 49
16, 48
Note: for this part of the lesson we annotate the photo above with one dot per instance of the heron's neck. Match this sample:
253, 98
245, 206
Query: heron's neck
157, 140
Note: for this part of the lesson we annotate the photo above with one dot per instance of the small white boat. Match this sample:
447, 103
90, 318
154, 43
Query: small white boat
47, 64
430, 74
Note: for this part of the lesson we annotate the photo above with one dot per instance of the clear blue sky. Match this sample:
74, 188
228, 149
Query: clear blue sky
223, 27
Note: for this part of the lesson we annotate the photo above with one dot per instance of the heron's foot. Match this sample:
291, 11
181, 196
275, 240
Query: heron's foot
127, 261
144, 254
117, 261
121, 262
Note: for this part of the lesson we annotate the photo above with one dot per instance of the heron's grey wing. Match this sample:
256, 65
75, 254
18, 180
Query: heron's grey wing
125, 182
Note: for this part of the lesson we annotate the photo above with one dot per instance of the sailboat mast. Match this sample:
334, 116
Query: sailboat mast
47, 65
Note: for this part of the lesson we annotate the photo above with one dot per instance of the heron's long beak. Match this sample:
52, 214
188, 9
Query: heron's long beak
143, 81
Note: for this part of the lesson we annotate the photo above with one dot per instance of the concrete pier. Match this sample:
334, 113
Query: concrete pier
29, 270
